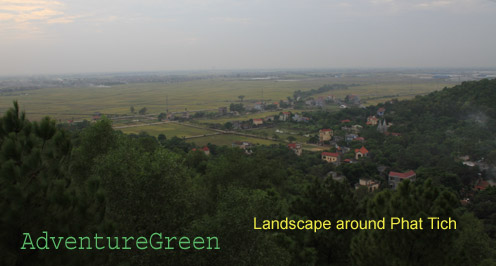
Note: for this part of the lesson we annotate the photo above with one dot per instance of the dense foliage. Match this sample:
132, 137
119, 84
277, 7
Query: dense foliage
81, 182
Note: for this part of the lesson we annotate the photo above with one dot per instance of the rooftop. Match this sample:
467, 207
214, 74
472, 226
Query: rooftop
405, 175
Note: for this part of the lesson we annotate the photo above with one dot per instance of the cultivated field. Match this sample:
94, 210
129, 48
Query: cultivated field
206, 94
228, 139
168, 129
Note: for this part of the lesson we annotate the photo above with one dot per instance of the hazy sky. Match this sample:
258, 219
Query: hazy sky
45, 36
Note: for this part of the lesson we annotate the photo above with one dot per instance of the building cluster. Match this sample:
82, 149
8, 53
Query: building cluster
244, 145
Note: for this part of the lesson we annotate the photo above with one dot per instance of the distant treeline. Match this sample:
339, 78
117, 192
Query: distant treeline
325, 88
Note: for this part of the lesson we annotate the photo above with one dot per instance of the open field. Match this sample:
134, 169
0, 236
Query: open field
282, 136
169, 130
228, 139
205, 94
222, 120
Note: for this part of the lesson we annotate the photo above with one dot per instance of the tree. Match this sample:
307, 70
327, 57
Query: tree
235, 207
484, 207
407, 247
132, 109
291, 139
162, 116
38, 191
142, 111
241, 97
236, 107
228, 125
334, 201
147, 192
161, 138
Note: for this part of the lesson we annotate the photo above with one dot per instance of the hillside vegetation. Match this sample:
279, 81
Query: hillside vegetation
97, 180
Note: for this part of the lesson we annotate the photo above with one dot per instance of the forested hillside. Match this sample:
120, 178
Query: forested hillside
97, 180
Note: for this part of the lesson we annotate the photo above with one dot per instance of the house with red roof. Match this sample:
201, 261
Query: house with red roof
205, 150
325, 135
284, 116
481, 185
259, 106
296, 147
330, 157
394, 178
362, 152
361, 139
345, 121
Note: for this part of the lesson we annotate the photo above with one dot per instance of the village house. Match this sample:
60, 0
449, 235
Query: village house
325, 135
330, 157
342, 149
310, 102
362, 152
369, 183
246, 146
336, 176
284, 116
298, 118
381, 111
185, 115
257, 121
245, 125
350, 137
259, 106
320, 101
269, 118
346, 128
352, 99
361, 139
345, 121
394, 178
236, 125
372, 120
296, 147
481, 185
356, 129
205, 150
222, 110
